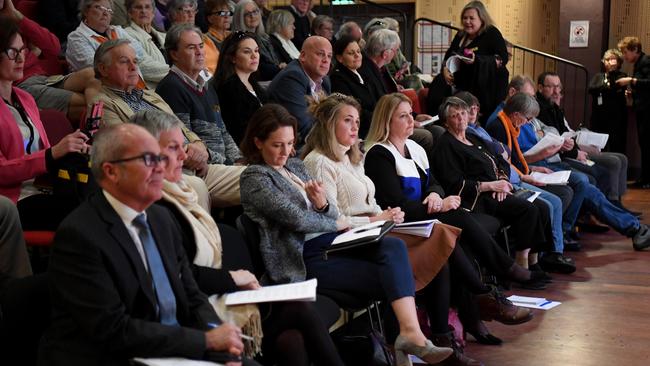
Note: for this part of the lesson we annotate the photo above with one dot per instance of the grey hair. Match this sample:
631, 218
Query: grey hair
522, 103
238, 23
278, 19
346, 29
173, 6
128, 4
447, 104
372, 26
85, 4
319, 21
391, 24
108, 145
518, 82
156, 121
380, 41
174, 34
102, 55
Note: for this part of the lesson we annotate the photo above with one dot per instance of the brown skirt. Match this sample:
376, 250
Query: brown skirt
428, 255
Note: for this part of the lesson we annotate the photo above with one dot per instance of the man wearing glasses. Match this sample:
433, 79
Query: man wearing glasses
121, 284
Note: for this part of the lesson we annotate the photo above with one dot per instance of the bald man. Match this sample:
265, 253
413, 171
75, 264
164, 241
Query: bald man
304, 78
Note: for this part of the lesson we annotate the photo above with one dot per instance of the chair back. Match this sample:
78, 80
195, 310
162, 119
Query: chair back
249, 229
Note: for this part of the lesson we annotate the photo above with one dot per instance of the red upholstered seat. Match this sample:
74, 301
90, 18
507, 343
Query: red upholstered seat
56, 125
413, 96
39, 238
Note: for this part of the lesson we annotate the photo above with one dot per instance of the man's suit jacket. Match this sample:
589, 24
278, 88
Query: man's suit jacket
290, 88
103, 301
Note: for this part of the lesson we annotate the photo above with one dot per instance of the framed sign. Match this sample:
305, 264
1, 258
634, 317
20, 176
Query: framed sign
579, 37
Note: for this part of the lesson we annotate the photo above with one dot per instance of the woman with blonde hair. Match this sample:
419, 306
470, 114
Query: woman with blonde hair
482, 70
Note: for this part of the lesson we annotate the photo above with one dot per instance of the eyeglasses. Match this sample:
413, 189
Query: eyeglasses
251, 14
223, 13
12, 53
557, 87
188, 11
103, 9
149, 159
378, 23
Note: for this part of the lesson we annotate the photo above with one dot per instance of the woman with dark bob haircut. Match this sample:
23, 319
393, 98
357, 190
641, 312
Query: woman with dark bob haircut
297, 224
25, 151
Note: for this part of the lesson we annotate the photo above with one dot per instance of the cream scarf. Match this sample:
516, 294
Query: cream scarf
208, 254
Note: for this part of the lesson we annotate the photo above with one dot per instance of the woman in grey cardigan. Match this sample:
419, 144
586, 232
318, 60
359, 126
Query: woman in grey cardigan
297, 224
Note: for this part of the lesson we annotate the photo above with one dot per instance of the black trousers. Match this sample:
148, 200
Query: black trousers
643, 134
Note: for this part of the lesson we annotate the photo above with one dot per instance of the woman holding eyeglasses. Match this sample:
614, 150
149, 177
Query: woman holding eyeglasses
248, 18
25, 151
240, 95
141, 15
219, 16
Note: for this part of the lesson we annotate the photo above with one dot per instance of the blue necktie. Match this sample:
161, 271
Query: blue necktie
162, 287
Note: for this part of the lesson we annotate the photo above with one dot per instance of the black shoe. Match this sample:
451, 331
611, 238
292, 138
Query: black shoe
487, 338
640, 184
533, 284
538, 274
557, 263
571, 245
641, 239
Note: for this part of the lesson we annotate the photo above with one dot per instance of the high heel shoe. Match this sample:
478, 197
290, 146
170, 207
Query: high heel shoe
428, 353
487, 338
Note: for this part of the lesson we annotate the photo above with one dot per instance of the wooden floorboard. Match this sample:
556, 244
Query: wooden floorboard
604, 318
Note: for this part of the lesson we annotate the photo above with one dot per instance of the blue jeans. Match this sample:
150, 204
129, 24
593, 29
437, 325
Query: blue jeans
554, 204
596, 203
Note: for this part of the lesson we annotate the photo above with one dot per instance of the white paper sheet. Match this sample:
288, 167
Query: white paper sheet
598, 140
561, 177
173, 361
364, 231
298, 291
418, 228
549, 139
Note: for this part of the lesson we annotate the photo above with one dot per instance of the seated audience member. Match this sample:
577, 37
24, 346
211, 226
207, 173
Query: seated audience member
399, 66
323, 26
188, 93
219, 16
140, 28
380, 49
301, 11
94, 30
247, 18
517, 111
184, 12
280, 28
204, 242
64, 93
292, 211
353, 30
405, 180
122, 99
118, 259
239, 93
347, 80
333, 158
25, 151
608, 172
483, 182
303, 79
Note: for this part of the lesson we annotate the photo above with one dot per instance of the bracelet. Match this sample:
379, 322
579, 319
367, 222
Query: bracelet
322, 209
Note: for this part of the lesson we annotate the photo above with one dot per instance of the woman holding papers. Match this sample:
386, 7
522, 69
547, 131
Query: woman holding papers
287, 324
297, 224
482, 68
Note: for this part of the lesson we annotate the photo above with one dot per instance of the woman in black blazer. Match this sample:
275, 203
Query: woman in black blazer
239, 93
347, 80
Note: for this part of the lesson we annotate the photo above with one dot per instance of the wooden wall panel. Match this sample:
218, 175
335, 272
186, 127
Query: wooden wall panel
629, 18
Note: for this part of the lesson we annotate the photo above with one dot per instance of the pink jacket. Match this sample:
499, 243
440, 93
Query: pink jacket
15, 165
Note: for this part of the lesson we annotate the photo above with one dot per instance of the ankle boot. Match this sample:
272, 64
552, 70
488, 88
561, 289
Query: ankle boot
457, 358
495, 306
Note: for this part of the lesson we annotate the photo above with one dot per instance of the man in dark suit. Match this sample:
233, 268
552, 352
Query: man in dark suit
120, 282
304, 78
639, 87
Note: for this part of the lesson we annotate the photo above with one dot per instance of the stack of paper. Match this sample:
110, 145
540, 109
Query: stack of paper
561, 177
533, 302
172, 361
548, 140
588, 138
298, 291
418, 228
429, 121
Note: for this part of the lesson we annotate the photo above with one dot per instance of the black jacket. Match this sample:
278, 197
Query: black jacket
641, 90
238, 104
347, 82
